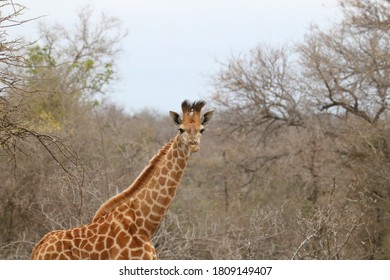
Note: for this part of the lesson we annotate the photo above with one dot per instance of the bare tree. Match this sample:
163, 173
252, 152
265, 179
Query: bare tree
44, 87
325, 111
83, 56
348, 67
260, 89
365, 15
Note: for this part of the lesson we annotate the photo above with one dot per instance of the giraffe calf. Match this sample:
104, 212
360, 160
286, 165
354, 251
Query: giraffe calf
123, 226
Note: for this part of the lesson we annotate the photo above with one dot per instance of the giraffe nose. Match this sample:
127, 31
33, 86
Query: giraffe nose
194, 146
192, 143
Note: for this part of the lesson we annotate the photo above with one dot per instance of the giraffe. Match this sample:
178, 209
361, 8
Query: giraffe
123, 226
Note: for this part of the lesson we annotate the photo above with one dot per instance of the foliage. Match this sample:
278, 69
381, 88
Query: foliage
295, 165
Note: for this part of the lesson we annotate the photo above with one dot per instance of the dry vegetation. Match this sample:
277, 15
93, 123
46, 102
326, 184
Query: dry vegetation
296, 164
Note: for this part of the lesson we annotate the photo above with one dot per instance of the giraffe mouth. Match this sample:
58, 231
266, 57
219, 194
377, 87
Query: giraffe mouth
193, 147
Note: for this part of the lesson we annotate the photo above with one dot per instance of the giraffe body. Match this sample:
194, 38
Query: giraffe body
123, 226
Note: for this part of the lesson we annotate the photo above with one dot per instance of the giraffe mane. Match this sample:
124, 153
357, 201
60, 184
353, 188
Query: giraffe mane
137, 185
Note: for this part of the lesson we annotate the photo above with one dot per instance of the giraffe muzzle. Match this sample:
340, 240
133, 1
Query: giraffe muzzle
194, 146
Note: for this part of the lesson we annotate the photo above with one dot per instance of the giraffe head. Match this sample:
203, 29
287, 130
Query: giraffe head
192, 124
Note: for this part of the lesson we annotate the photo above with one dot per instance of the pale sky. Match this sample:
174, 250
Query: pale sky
173, 47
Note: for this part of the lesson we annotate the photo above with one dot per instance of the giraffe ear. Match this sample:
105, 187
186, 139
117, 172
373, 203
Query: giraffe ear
175, 118
207, 117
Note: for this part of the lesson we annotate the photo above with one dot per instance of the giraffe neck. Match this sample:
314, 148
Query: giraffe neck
139, 183
148, 201
155, 199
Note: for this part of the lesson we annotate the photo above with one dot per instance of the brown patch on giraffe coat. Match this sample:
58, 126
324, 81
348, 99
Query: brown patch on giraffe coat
51, 248
104, 255
153, 182
88, 247
89, 233
148, 196
162, 200
103, 229
54, 256
115, 229
114, 252
84, 255
137, 253
155, 194
93, 239
172, 191
154, 218
133, 228
163, 191
135, 242
76, 233
138, 213
109, 242
177, 175
139, 222
75, 254
120, 216
83, 243
67, 245
126, 222
62, 256
93, 226
181, 163
124, 255
164, 171
141, 195
145, 208
68, 235
59, 246
94, 255
123, 239
99, 245
162, 181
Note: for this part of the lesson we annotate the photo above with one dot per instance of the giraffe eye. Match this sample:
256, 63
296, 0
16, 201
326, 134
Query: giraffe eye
181, 130
202, 130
